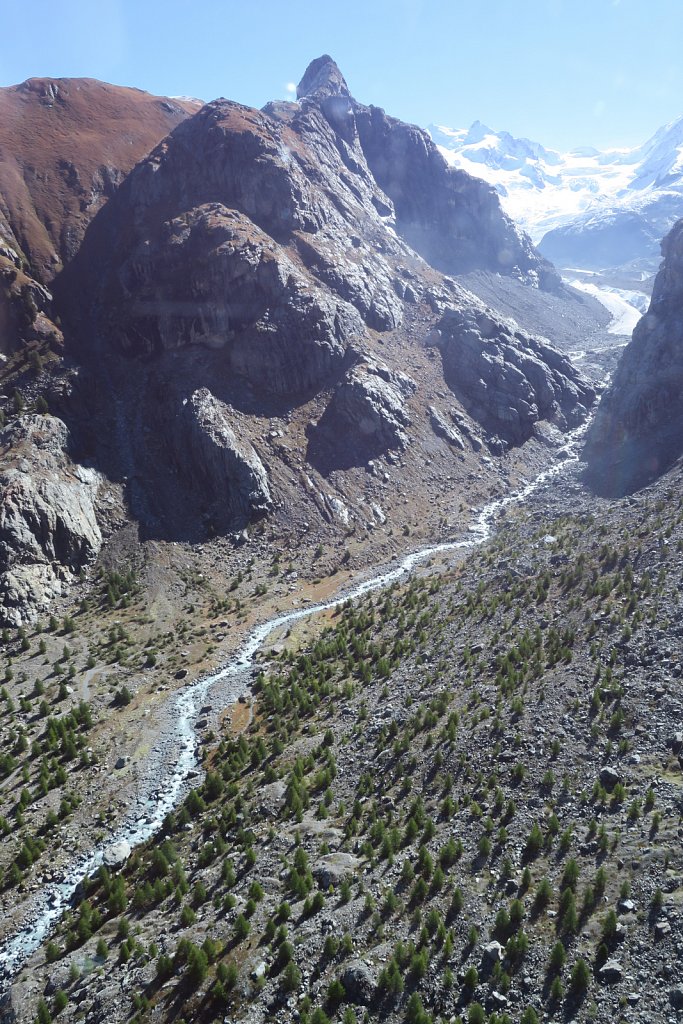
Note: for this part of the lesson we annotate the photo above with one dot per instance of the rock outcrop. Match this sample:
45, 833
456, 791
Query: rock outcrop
366, 416
506, 380
638, 429
228, 470
48, 525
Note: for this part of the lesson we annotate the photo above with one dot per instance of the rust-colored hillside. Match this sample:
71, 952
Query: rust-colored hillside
65, 143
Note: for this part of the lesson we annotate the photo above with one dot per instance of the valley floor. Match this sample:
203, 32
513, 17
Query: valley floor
458, 797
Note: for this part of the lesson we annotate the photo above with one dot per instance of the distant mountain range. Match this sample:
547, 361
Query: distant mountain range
584, 209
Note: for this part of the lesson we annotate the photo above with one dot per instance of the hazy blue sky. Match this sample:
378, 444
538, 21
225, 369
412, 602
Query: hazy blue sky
563, 72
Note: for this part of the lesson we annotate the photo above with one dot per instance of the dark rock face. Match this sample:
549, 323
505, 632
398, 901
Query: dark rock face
366, 415
227, 469
506, 380
638, 429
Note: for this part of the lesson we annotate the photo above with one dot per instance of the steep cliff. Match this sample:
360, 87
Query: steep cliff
638, 429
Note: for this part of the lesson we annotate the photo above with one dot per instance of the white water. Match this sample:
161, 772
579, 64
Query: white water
164, 791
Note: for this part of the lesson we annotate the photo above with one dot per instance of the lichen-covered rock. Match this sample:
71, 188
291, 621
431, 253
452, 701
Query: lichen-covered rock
227, 469
48, 525
638, 429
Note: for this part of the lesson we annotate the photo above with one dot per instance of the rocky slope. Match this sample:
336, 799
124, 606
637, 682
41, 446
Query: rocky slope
66, 143
346, 856
637, 432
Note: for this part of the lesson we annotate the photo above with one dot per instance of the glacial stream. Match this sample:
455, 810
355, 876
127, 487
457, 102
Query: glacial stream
176, 759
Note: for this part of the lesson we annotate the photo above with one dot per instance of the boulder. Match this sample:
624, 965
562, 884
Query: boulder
676, 997
360, 983
116, 855
8, 1008
335, 868
442, 428
611, 972
609, 777
492, 953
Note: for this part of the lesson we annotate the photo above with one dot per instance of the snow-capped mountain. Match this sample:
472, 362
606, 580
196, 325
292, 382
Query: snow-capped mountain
585, 209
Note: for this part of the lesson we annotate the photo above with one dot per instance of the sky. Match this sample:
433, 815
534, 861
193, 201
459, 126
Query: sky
566, 73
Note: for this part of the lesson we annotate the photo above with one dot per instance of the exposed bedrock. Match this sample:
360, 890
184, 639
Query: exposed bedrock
506, 380
638, 429
225, 467
365, 417
48, 525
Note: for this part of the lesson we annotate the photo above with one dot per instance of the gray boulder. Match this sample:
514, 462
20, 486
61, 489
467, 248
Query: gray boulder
360, 983
335, 868
8, 1010
611, 972
609, 777
116, 855
676, 997
492, 953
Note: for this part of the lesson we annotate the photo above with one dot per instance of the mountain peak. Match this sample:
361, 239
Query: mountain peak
322, 78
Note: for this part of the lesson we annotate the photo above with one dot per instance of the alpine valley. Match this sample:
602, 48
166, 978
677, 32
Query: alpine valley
339, 566
599, 216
